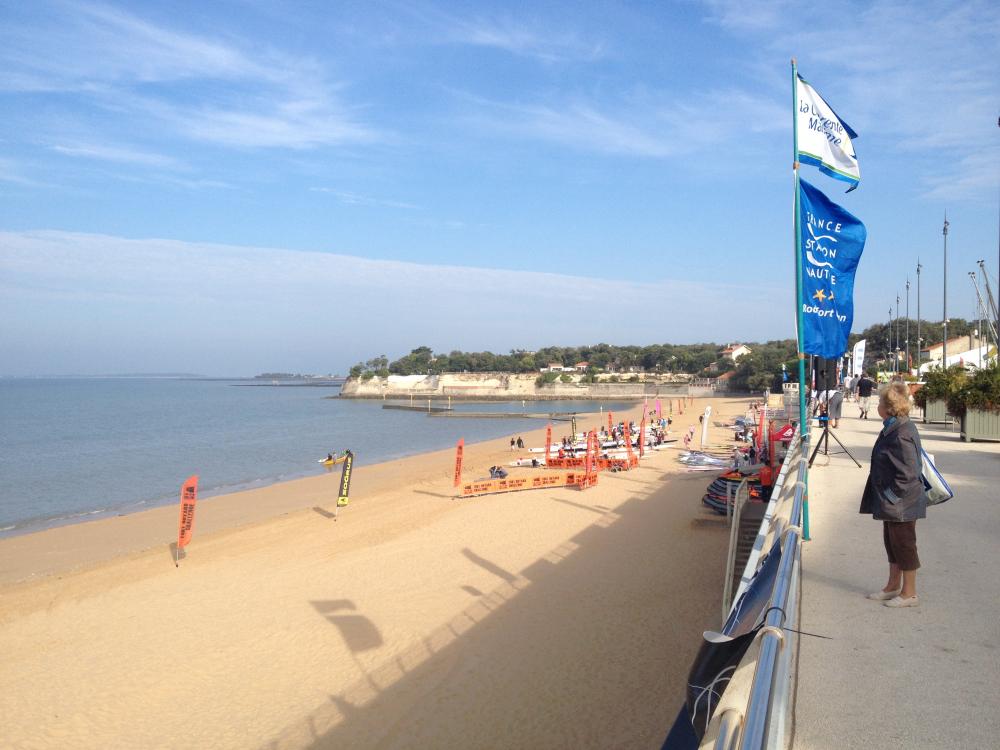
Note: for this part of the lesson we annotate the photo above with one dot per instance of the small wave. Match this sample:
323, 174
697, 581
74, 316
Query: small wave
84, 513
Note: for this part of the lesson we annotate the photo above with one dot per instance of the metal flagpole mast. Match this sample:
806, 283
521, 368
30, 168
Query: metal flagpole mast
979, 318
907, 325
888, 344
919, 340
896, 355
799, 321
944, 343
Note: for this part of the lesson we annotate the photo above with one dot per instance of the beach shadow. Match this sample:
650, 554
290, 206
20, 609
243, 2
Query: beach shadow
811, 576
472, 590
324, 512
592, 509
434, 679
493, 568
433, 494
175, 555
358, 632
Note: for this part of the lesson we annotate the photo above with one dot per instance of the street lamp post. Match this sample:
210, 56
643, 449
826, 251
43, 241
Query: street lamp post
944, 343
897, 323
920, 343
907, 325
888, 346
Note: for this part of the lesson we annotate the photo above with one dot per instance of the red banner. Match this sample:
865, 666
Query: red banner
548, 441
610, 427
458, 461
189, 495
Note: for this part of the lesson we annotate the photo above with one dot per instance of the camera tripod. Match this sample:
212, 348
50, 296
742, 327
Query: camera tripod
824, 443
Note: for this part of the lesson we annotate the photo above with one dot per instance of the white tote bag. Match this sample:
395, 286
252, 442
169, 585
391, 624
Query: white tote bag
935, 486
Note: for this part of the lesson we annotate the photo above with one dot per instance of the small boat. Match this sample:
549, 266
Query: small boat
332, 461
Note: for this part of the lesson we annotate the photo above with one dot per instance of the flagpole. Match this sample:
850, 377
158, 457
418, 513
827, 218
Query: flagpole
799, 321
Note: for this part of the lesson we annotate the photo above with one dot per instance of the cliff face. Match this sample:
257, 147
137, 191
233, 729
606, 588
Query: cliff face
499, 386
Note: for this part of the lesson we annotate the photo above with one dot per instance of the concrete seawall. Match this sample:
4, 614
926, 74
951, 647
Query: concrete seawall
504, 387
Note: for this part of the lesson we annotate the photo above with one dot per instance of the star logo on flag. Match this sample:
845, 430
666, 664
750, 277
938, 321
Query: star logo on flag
819, 295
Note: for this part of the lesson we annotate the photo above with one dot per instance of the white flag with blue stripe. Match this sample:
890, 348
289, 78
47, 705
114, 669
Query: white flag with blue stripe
825, 139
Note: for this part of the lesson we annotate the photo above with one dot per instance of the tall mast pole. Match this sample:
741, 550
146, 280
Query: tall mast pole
944, 344
888, 348
896, 353
799, 319
907, 325
920, 342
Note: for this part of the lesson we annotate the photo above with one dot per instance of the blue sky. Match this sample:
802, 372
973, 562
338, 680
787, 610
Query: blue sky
242, 185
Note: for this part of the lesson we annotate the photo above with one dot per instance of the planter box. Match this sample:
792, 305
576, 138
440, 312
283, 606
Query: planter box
980, 425
936, 411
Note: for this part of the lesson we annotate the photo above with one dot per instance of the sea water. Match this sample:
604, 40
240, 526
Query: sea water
76, 449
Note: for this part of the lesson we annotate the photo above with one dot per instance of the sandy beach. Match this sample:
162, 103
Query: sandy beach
551, 618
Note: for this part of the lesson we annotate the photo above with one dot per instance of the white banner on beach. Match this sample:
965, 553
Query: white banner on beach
858, 358
704, 425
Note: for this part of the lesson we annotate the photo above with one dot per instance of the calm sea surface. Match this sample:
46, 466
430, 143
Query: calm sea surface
77, 449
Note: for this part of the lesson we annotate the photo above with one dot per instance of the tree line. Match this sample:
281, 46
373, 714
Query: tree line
759, 370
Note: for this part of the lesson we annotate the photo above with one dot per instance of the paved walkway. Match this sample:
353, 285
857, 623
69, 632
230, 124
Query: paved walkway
927, 677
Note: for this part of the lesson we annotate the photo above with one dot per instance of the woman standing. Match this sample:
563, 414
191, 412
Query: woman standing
895, 495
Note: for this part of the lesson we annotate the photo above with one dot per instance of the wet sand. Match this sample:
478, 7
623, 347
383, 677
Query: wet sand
549, 618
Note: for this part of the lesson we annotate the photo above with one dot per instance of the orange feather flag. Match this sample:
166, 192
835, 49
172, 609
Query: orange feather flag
189, 495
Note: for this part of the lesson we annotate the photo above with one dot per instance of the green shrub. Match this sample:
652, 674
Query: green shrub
981, 391
545, 379
940, 385
565, 378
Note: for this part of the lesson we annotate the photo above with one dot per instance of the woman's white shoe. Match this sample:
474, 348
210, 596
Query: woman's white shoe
883, 596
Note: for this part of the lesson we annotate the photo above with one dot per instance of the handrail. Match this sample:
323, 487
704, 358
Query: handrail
772, 638
734, 535
781, 521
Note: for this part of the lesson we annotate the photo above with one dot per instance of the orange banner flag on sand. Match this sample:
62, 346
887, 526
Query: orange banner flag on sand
189, 495
458, 461
548, 441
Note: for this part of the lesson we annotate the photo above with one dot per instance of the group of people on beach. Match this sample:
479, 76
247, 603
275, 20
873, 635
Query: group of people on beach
516, 443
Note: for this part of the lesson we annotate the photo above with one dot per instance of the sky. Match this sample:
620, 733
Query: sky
244, 186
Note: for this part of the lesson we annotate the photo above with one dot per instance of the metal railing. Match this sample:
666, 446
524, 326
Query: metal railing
734, 512
764, 722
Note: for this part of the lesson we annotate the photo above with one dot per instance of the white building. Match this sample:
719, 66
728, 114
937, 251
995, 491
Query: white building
735, 351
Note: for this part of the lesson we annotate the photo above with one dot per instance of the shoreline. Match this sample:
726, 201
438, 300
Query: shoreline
94, 540
413, 620
142, 505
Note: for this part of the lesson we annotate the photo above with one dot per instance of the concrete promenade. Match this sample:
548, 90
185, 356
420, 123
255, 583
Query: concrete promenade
925, 677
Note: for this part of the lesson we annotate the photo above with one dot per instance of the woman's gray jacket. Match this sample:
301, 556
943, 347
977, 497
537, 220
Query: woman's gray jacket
895, 491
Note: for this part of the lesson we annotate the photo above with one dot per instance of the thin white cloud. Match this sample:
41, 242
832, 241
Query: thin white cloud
116, 154
518, 39
520, 36
756, 15
123, 63
12, 172
356, 199
639, 126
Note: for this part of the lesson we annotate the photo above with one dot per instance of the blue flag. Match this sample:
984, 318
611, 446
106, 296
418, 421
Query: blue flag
832, 241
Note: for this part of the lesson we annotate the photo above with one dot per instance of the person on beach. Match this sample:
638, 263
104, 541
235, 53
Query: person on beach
513, 443
894, 494
865, 387
520, 443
